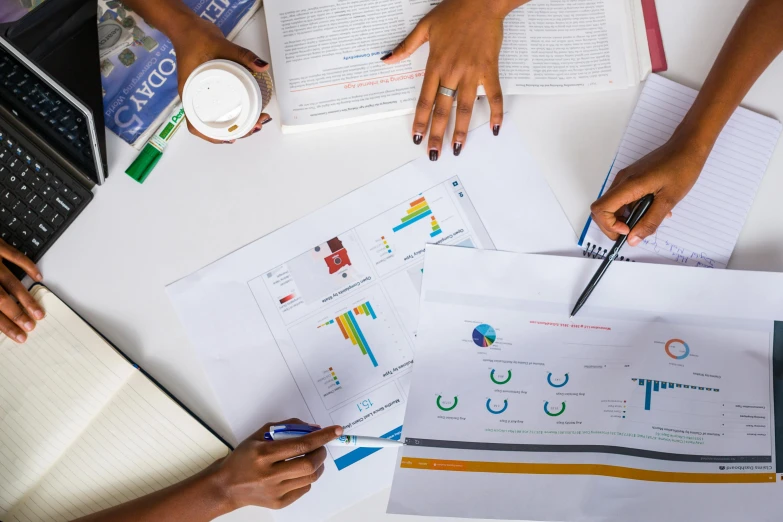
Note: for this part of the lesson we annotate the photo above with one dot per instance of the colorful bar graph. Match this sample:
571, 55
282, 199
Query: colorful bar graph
419, 209
654, 386
351, 330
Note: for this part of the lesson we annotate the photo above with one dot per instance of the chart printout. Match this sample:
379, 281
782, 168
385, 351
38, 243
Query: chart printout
350, 309
317, 319
510, 393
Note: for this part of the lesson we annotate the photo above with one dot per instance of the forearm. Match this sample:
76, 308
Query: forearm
200, 498
170, 16
754, 42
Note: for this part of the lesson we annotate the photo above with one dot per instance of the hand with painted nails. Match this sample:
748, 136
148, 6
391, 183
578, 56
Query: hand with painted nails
668, 173
196, 41
465, 37
269, 474
19, 312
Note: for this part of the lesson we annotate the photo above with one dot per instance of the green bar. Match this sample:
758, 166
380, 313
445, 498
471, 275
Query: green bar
355, 333
366, 311
416, 214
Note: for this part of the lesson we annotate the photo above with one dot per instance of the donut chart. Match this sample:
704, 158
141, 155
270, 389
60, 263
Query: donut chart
552, 384
496, 412
484, 336
677, 349
498, 381
446, 408
557, 414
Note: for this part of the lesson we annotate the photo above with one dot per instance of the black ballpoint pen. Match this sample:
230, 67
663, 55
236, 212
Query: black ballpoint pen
638, 212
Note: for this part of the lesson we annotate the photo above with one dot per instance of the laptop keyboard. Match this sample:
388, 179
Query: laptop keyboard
35, 202
47, 105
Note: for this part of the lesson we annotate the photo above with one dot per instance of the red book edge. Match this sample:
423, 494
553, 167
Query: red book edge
654, 37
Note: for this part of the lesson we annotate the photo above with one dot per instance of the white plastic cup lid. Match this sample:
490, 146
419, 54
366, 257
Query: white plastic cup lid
222, 100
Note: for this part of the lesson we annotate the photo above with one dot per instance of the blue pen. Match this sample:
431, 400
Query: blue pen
292, 431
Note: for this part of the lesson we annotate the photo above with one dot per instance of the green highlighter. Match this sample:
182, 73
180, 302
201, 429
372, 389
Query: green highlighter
153, 150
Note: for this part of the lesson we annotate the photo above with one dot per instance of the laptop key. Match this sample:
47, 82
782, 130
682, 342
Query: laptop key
35, 243
30, 217
37, 166
4, 234
24, 232
76, 200
8, 199
23, 191
14, 242
56, 183
36, 183
13, 181
13, 223
5, 156
19, 208
57, 220
46, 176
46, 211
62, 204
15, 165
35, 201
48, 192
43, 229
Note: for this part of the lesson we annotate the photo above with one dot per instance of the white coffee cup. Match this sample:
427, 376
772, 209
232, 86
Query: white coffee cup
222, 100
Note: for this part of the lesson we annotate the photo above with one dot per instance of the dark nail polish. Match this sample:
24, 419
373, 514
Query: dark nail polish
457, 148
259, 62
433, 155
255, 130
417, 139
386, 56
266, 120
496, 130
229, 142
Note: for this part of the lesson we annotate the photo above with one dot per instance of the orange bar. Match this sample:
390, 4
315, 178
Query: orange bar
356, 311
420, 200
342, 328
587, 469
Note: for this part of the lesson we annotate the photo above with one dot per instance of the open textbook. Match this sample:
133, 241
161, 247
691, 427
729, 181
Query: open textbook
658, 402
326, 54
329, 304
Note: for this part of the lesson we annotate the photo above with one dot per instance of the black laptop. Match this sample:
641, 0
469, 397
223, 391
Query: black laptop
52, 141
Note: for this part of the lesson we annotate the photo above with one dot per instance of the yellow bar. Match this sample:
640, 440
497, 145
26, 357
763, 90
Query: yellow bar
417, 207
587, 469
344, 323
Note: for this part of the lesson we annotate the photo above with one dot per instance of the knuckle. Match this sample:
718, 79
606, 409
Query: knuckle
276, 504
246, 54
460, 135
307, 468
645, 229
440, 112
424, 104
496, 99
436, 140
464, 109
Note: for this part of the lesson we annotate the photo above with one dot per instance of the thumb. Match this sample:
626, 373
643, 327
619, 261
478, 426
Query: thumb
647, 226
247, 58
418, 37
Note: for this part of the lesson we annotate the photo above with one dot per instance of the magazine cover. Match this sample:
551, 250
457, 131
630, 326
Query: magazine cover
139, 67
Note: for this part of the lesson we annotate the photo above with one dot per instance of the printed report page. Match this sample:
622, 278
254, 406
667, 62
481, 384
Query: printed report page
510, 391
326, 54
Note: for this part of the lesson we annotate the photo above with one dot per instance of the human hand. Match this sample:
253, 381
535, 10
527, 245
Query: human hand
18, 310
268, 473
199, 41
465, 38
668, 173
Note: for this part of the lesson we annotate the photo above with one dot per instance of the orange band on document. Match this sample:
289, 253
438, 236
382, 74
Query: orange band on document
586, 469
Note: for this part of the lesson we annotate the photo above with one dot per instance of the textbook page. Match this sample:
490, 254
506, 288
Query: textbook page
318, 319
326, 54
83, 430
633, 401
706, 224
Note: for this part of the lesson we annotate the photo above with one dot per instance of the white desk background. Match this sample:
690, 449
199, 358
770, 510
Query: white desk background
204, 201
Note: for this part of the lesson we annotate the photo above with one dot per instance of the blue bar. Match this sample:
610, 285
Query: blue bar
358, 454
361, 336
412, 221
655, 386
648, 395
641, 382
369, 307
436, 232
663, 385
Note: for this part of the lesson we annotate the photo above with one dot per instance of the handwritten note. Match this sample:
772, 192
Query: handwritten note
707, 222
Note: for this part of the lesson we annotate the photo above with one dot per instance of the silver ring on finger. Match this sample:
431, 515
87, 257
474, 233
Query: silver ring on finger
445, 91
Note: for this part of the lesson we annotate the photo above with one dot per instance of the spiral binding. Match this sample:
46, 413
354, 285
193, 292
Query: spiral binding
598, 252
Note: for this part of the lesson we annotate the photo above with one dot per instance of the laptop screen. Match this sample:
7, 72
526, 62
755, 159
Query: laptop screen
62, 124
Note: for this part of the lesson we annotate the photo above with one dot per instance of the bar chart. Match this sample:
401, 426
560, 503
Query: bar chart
351, 330
418, 211
652, 386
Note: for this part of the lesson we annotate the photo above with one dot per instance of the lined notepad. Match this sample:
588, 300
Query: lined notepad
81, 429
707, 222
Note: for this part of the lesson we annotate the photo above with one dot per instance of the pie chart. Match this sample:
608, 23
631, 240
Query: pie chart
484, 335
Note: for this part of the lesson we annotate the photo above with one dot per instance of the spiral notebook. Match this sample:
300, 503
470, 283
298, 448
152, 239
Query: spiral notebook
83, 429
707, 222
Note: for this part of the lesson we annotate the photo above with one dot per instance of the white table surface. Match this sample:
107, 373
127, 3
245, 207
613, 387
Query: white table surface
204, 201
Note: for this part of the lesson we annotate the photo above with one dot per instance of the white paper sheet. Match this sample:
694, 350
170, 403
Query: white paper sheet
706, 224
654, 403
332, 300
